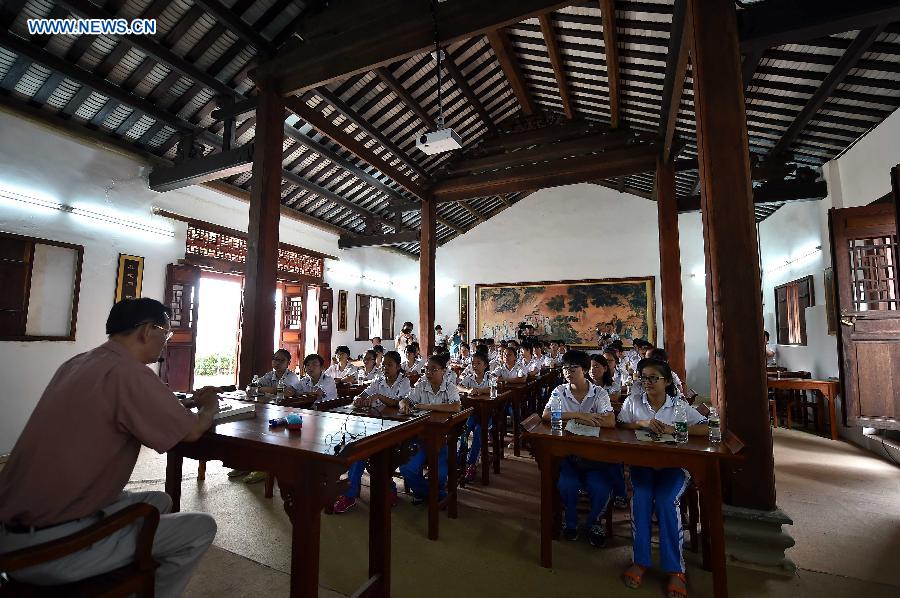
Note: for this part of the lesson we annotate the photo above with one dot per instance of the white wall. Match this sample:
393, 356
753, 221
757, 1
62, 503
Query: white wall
570, 233
39, 161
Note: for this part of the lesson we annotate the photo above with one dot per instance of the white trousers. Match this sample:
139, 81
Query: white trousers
180, 541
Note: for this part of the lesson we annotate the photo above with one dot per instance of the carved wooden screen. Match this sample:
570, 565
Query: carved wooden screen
182, 297
293, 331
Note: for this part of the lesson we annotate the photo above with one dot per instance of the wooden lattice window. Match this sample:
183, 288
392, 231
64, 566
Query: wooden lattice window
374, 317
872, 273
293, 313
791, 301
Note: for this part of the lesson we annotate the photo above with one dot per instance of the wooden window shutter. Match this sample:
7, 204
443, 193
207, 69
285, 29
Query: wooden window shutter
387, 319
16, 256
805, 298
362, 317
781, 315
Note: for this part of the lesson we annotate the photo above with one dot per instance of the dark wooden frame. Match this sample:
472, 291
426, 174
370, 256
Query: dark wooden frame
120, 275
651, 299
464, 306
73, 320
831, 314
380, 332
810, 282
342, 310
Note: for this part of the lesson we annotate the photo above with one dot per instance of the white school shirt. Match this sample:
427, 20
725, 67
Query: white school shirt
595, 401
326, 384
338, 373
469, 380
270, 379
463, 361
451, 377
414, 368
447, 394
637, 407
373, 375
440, 339
774, 349
505, 373
398, 390
612, 389
533, 365
402, 343
633, 357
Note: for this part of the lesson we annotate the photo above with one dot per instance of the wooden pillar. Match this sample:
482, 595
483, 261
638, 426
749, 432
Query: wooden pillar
258, 319
734, 305
670, 266
427, 248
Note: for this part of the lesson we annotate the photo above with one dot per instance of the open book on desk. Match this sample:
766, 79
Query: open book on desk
581, 429
233, 411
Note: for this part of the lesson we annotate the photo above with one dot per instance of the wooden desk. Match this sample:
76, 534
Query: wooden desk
824, 389
308, 465
440, 428
486, 407
516, 394
698, 456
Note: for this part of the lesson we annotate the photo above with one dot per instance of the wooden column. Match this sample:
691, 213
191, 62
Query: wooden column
734, 305
258, 319
427, 247
670, 266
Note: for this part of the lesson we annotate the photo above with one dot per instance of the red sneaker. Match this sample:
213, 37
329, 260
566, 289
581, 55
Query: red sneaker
343, 504
471, 473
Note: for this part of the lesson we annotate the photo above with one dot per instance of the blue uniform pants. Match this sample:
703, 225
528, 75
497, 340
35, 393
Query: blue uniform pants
659, 491
354, 476
474, 425
594, 477
412, 472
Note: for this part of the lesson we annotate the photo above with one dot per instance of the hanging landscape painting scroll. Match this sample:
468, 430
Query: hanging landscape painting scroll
569, 310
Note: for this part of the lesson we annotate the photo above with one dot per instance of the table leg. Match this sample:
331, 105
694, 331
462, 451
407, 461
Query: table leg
173, 480
305, 509
713, 507
452, 472
502, 425
517, 416
832, 414
496, 438
545, 464
380, 522
484, 415
433, 448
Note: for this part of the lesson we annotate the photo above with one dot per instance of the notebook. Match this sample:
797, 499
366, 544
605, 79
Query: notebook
581, 429
233, 411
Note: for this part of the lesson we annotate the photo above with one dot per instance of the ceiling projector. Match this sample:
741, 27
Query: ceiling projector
438, 142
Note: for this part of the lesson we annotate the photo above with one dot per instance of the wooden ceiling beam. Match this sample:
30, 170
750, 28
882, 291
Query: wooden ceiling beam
452, 226
236, 25
348, 241
453, 69
851, 56
511, 141
556, 61
770, 192
506, 56
673, 85
608, 15
208, 168
472, 211
629, 160
358, 35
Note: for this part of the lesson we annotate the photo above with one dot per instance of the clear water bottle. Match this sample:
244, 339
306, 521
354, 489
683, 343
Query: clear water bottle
360, 375
253, 387
556, 421
279, 390
715, 429
681, 426
493, 383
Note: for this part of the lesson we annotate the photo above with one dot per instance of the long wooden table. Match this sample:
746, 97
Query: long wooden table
698, 456
441, 428
824, 389
308, 465
486, 408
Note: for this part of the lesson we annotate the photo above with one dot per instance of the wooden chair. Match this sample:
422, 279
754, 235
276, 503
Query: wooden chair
792, 399
136, 578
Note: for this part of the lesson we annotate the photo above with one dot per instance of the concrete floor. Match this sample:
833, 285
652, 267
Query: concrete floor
844, 503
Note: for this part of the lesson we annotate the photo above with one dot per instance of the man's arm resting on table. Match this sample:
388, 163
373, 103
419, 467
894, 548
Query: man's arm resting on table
208, 405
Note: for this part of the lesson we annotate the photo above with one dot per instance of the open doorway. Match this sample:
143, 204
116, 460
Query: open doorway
215, 361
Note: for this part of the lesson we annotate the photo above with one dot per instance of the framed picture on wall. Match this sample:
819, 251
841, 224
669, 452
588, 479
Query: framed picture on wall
129, 277
830, 304
464, 306
342, 310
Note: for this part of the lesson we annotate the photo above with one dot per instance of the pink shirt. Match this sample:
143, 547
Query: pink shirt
81, 442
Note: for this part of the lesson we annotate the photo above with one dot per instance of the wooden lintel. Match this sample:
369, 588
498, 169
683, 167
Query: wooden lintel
506, 56
629, 160
771, 192
556, 61
610, 44
348, 241
202, 170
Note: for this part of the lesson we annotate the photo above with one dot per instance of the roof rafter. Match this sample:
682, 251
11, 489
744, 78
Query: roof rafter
387, 77
608, 14
236, 25
505, 54
461, 82
556, 61
676, 69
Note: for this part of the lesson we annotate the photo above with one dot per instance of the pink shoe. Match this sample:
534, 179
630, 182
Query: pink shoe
343, 504
471, 473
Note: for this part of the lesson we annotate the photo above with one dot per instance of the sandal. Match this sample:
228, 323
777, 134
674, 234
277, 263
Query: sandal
633, 575
677, 589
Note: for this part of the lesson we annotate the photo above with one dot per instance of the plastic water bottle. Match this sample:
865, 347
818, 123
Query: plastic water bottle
493, 383
681, 427
556, 422
715, 430
279, 390
360, 375
253, 388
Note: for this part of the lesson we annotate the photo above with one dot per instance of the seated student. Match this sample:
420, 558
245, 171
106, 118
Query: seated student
530, 365
587, 403
343, 370
69, 468
514, 344
602, 376
280, 362
475, 382
432, 393
613, 360
553, 354
316, 381
658, 490
463, 356
444, 355
509, 370
413, 363
370, 371
389, 390
537, 347
376, 340
771, 351
661, 355
440, 339
379, 355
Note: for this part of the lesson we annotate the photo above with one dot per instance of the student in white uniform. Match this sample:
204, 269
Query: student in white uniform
440, 339
530, 365
379, 355
509, 370
771, 351
413, 363
602, 376
588, 404
661, 355
538, 348
432, 393
463, 357
553, 355
389, 390
370, 370
405, 338
343, 370
280, 362
475, 382
316, 381
658, 490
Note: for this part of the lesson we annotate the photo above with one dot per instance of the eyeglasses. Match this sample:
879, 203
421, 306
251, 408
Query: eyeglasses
432, 370
167, 331
571, 368
650, 379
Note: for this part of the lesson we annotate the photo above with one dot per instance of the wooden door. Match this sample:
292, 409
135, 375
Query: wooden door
293, 328
183, 298
326, 299
865, 258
